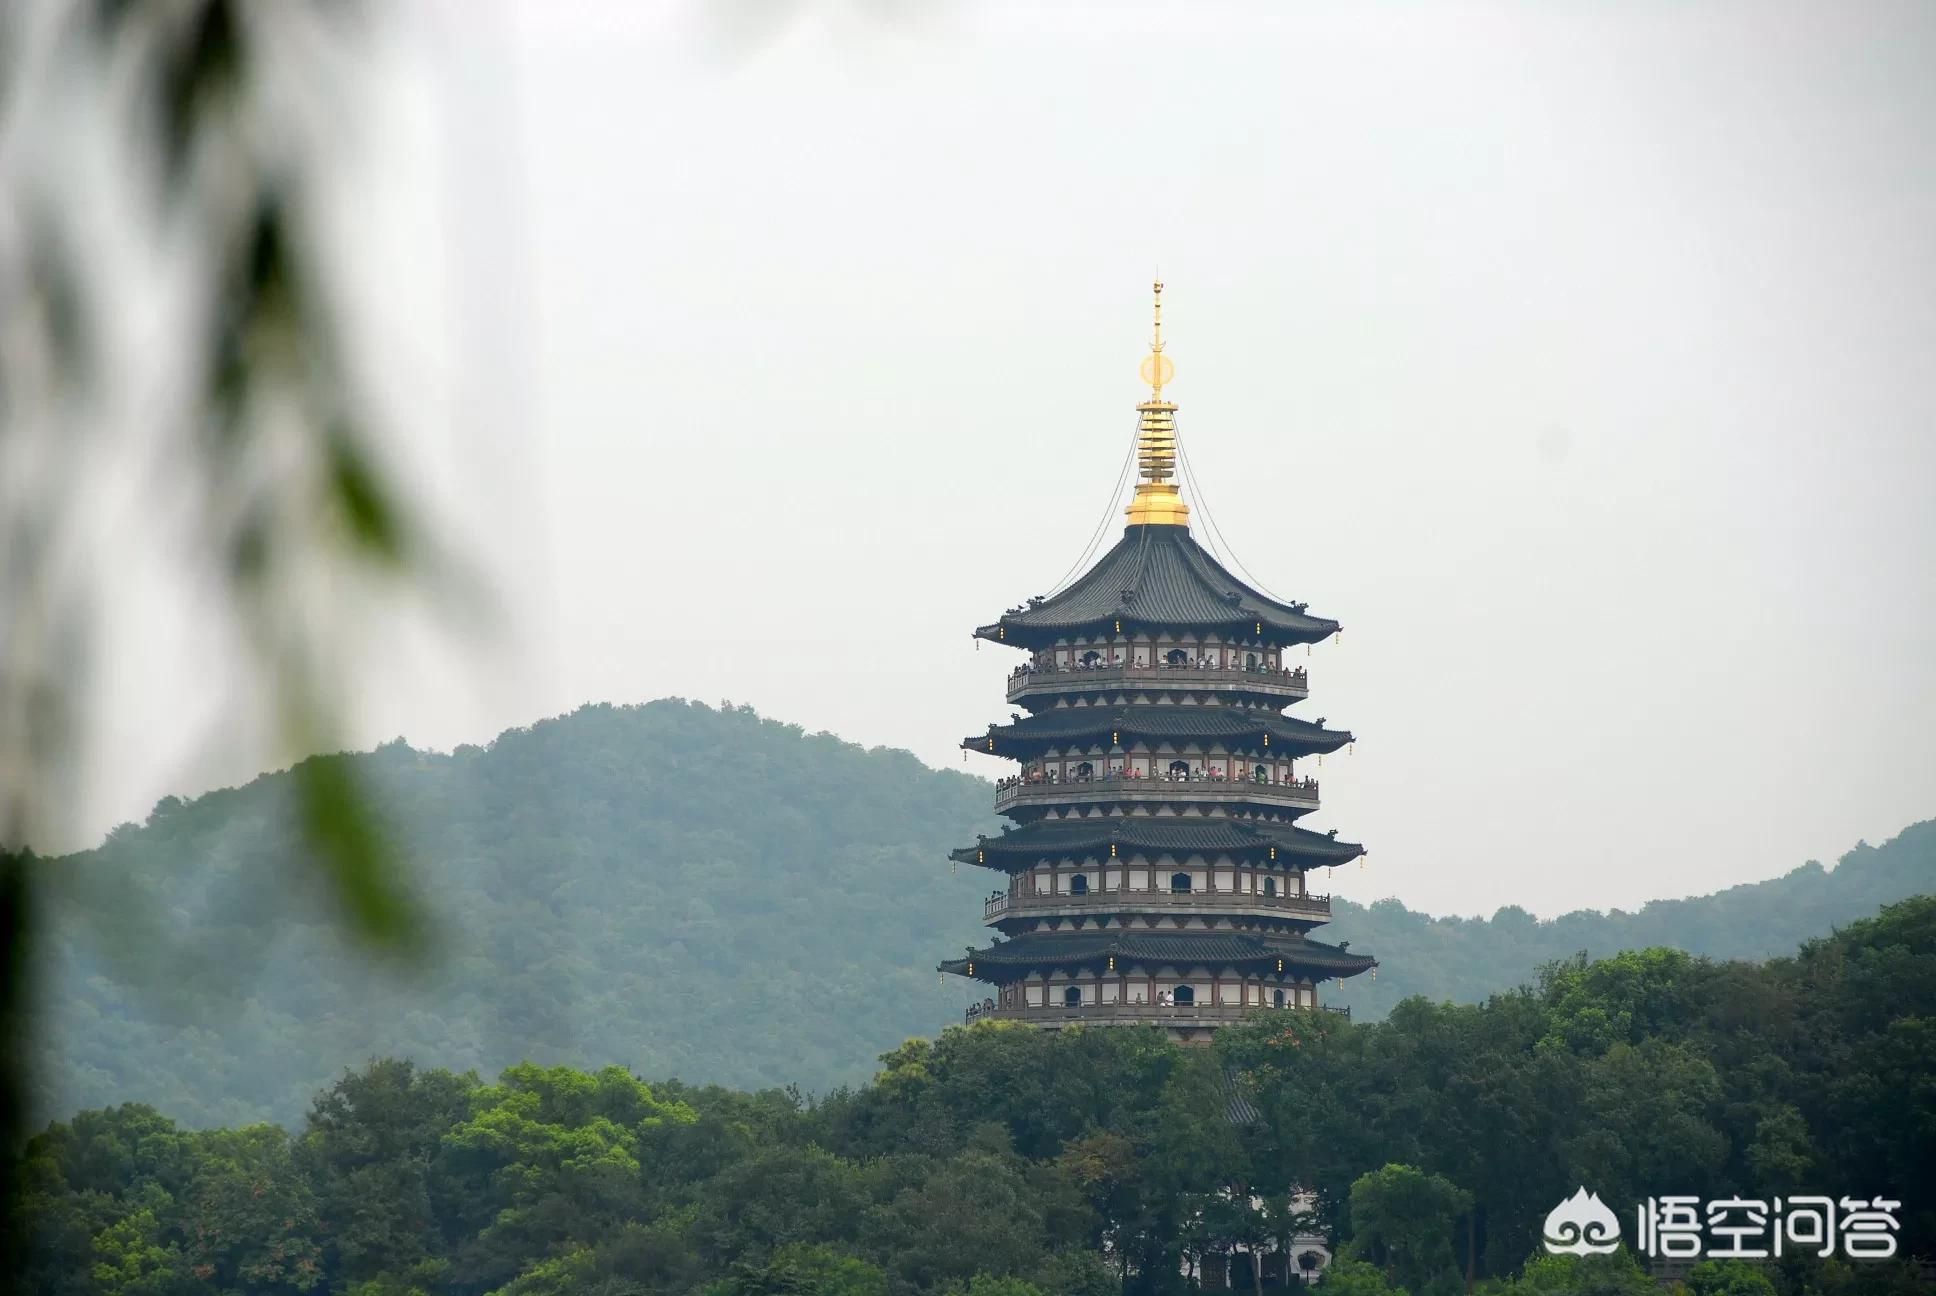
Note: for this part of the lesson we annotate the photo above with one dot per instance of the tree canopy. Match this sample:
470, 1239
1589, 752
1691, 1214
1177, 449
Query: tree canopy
1000, 1160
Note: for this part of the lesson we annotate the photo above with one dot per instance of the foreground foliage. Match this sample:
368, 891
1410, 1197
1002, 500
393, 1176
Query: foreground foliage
1003, 1161
603, 895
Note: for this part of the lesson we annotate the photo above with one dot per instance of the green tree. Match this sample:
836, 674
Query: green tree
1402, 1219
984, 1285
1615, 1274
250, 1219
1728, 1278
551, 1160
1348, 1277
980, 1212
371, 1151
806, 1270
132, 1261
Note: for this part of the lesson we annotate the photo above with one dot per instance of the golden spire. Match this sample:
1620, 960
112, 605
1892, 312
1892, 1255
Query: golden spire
1157, 502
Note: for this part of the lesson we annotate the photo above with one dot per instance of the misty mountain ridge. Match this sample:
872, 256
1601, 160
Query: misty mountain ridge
685, 890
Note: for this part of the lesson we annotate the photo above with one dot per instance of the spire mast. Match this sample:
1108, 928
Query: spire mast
1157, 501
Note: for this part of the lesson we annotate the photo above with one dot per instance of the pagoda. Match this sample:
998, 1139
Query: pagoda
1155, 871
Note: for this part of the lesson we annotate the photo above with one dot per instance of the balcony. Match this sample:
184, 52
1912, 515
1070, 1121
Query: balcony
1029, 790
1180, 903
1291, 685
1181, 1016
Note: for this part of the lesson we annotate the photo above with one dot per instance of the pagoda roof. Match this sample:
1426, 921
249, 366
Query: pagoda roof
1160, 722
1175, 949
1158, 575
1053, 838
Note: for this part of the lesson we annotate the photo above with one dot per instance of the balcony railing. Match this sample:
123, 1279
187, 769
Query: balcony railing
1189, 675
1127, 1013
1288, 905
1114, 785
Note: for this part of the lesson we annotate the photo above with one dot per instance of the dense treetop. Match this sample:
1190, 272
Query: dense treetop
673, 888
999, 1160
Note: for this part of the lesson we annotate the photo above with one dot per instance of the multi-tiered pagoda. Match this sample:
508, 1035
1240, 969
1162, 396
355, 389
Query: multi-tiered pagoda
1156, 870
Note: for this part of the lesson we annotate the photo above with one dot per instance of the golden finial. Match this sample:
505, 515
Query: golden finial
1158, 368
1157, 502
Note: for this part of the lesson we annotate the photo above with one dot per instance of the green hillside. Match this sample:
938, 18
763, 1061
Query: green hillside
1465, 959
682, 890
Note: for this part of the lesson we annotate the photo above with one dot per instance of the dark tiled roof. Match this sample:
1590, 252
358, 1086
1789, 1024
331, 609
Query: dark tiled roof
1183, 948
1238, 1108
1053, 838
1158, 575
1203, 723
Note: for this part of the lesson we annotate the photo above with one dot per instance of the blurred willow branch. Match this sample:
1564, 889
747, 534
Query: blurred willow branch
201, 127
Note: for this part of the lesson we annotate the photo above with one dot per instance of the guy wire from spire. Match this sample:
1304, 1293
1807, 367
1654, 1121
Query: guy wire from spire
1203, 507
1213, 538
1115, 498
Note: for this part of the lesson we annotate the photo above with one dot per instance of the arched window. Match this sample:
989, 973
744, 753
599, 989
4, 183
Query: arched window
1079, 884
1186, 994
1176, 657
1085, 770
1277, 998
1261, 773
1179, 769
1270, 886
1250, 661
1180, 882
1091, 658
1072, 997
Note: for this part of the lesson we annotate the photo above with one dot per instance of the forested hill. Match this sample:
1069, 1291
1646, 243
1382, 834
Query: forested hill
1465, 959
682, 890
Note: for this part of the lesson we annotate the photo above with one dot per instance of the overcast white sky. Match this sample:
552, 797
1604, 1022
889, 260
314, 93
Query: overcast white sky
1580, 359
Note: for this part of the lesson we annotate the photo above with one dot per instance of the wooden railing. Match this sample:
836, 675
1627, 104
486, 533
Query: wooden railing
1119, 900
1154, 1013
1022, 679
1021, 788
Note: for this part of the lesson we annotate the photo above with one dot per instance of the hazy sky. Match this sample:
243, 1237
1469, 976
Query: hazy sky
1580, 359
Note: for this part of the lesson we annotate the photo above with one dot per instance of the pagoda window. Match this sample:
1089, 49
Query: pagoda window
1250, 661
1085, 770
1270, 886
1186, 994
1179, 769
1176, 657
1180, 882
1092, 658
1277, 998
1072, 997
1079, 884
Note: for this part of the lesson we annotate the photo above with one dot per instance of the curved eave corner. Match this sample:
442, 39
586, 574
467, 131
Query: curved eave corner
1346, 852
1338, 738
992, 633
967, 854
